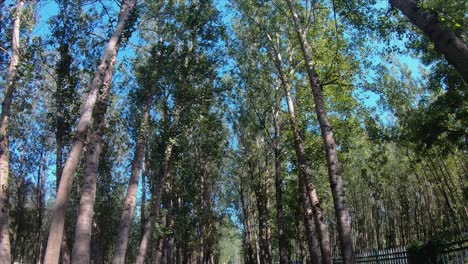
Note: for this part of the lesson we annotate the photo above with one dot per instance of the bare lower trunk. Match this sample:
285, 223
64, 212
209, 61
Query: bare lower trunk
144, 171
19, 216
130, 198
81, 247
159, 251
262, 224
202, 245
309, 225
150, 224
65, 251
444, 40
146, 237
334, 174
161, 181
40, 208
170, 249
5, 251
282, 239
267, 240
247, 234
101, 82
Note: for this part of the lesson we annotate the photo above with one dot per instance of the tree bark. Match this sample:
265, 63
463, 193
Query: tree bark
334, 174
144, 172
101, 83
165, 171
305, 177
267, 240
5, 251
61, 132
444, 40
40, 208
160, 245
309, 225
282, 239
81, 247
130, 198
151, 223
303, 171
247, 234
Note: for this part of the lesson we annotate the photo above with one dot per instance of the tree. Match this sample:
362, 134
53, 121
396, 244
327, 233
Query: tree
342, 215
100, 84
120, 247
446, 41
4, 147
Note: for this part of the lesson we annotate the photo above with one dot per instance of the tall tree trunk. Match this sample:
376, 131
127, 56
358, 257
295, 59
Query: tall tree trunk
65, 254
165, 171
5, 253
309, 225
266, 191
262, 252
40, 207
282, 238
445, 41
160, 245
130, 198
303, 170
61, 132
305, 177
151, 222
19, 216
101, 83
170, 244
144, 172
334, 174
81, 247
248, 247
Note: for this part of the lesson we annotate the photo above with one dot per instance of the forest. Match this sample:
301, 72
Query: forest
232, 131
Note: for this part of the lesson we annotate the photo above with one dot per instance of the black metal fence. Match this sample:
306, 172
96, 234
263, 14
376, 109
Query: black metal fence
451, 253
456, 252
383, 256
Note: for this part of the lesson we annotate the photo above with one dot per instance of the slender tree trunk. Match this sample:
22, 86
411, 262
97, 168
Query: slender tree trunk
248, 248
65, 251
445, 41
304, 173
144, 171
19, 216
160, 246
261, 225
151, 223
170, 245
282, 239
266, 191
101, 83
165, 171
336, 185
309, 224
5, 253
40, 207
63, 74
130, 198
81, 247
168, 203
